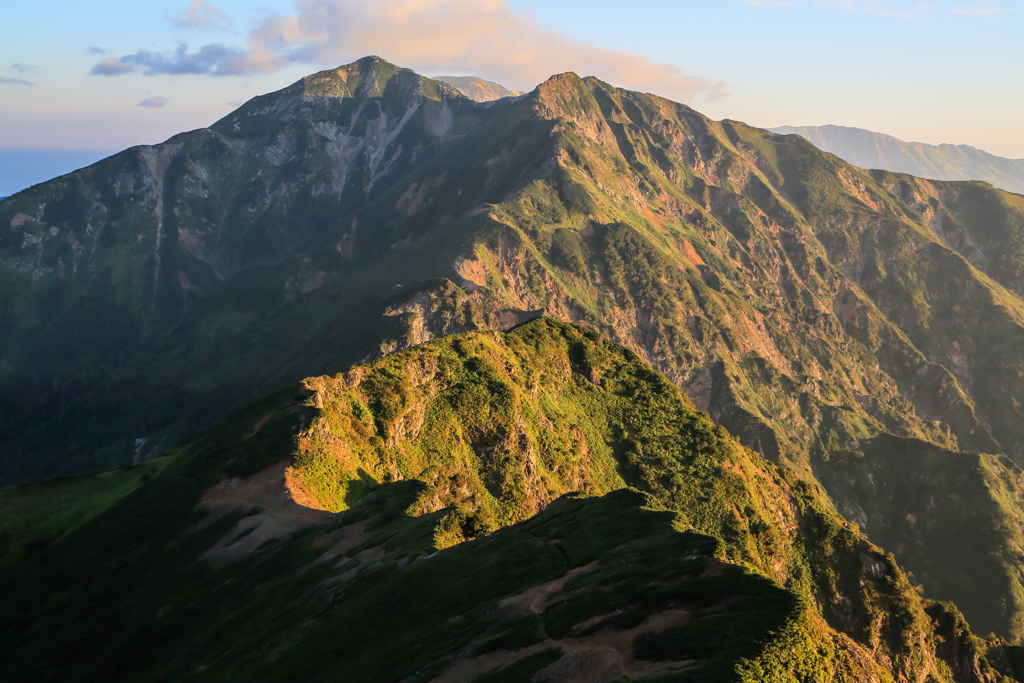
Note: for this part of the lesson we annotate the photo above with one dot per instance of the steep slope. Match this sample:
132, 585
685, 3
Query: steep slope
167, 282
833, 319
477, 89
210, 571
799, 300
868, 149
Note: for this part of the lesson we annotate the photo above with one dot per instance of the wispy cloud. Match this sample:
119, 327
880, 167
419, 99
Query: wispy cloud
200, 15
95, 50
16, 81
485, 37
154, 102
25, 68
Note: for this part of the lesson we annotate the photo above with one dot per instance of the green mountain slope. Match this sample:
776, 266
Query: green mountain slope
477, 89
833, 319
726, 568
32, 516
867, 149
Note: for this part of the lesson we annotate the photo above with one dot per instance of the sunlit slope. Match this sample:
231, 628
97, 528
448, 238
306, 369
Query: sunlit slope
211, 571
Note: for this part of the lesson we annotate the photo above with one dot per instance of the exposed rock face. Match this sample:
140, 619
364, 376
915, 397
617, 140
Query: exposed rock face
844, 323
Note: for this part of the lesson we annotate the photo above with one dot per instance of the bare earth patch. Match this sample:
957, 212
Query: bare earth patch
279, 516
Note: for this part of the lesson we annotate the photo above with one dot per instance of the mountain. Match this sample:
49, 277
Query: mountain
477, 89
455, 552
867, 149
861, 329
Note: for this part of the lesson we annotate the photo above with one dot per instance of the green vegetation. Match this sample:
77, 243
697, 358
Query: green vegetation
32, 516
498, 425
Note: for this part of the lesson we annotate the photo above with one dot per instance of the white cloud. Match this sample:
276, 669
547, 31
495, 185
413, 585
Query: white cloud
484, 37
154, 102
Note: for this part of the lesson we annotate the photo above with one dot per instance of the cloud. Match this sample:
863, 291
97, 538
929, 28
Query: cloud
213, 59
155, 102
16, 81
25, 68
200, 15
111, 67
484, 37
94, 50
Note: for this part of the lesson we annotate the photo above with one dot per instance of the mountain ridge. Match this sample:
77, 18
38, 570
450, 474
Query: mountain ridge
833, 319
717, 566
869, 149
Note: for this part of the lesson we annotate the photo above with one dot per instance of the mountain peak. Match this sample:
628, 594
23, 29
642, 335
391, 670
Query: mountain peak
566, 93
477, 89
370, 77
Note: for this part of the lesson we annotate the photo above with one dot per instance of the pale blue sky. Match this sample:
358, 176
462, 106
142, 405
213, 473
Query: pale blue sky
934, 72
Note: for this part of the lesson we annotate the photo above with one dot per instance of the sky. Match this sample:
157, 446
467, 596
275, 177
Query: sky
108, 74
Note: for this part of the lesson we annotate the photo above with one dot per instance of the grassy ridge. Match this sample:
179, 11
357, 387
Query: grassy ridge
32, 516
750, 573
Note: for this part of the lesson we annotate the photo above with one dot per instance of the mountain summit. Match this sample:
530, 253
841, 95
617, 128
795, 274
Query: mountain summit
860, 328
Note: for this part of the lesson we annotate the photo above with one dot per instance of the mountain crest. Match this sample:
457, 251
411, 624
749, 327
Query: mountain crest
371, 77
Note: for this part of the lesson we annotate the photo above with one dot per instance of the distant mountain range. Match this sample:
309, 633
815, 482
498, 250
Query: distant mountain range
477, 89
868, 149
